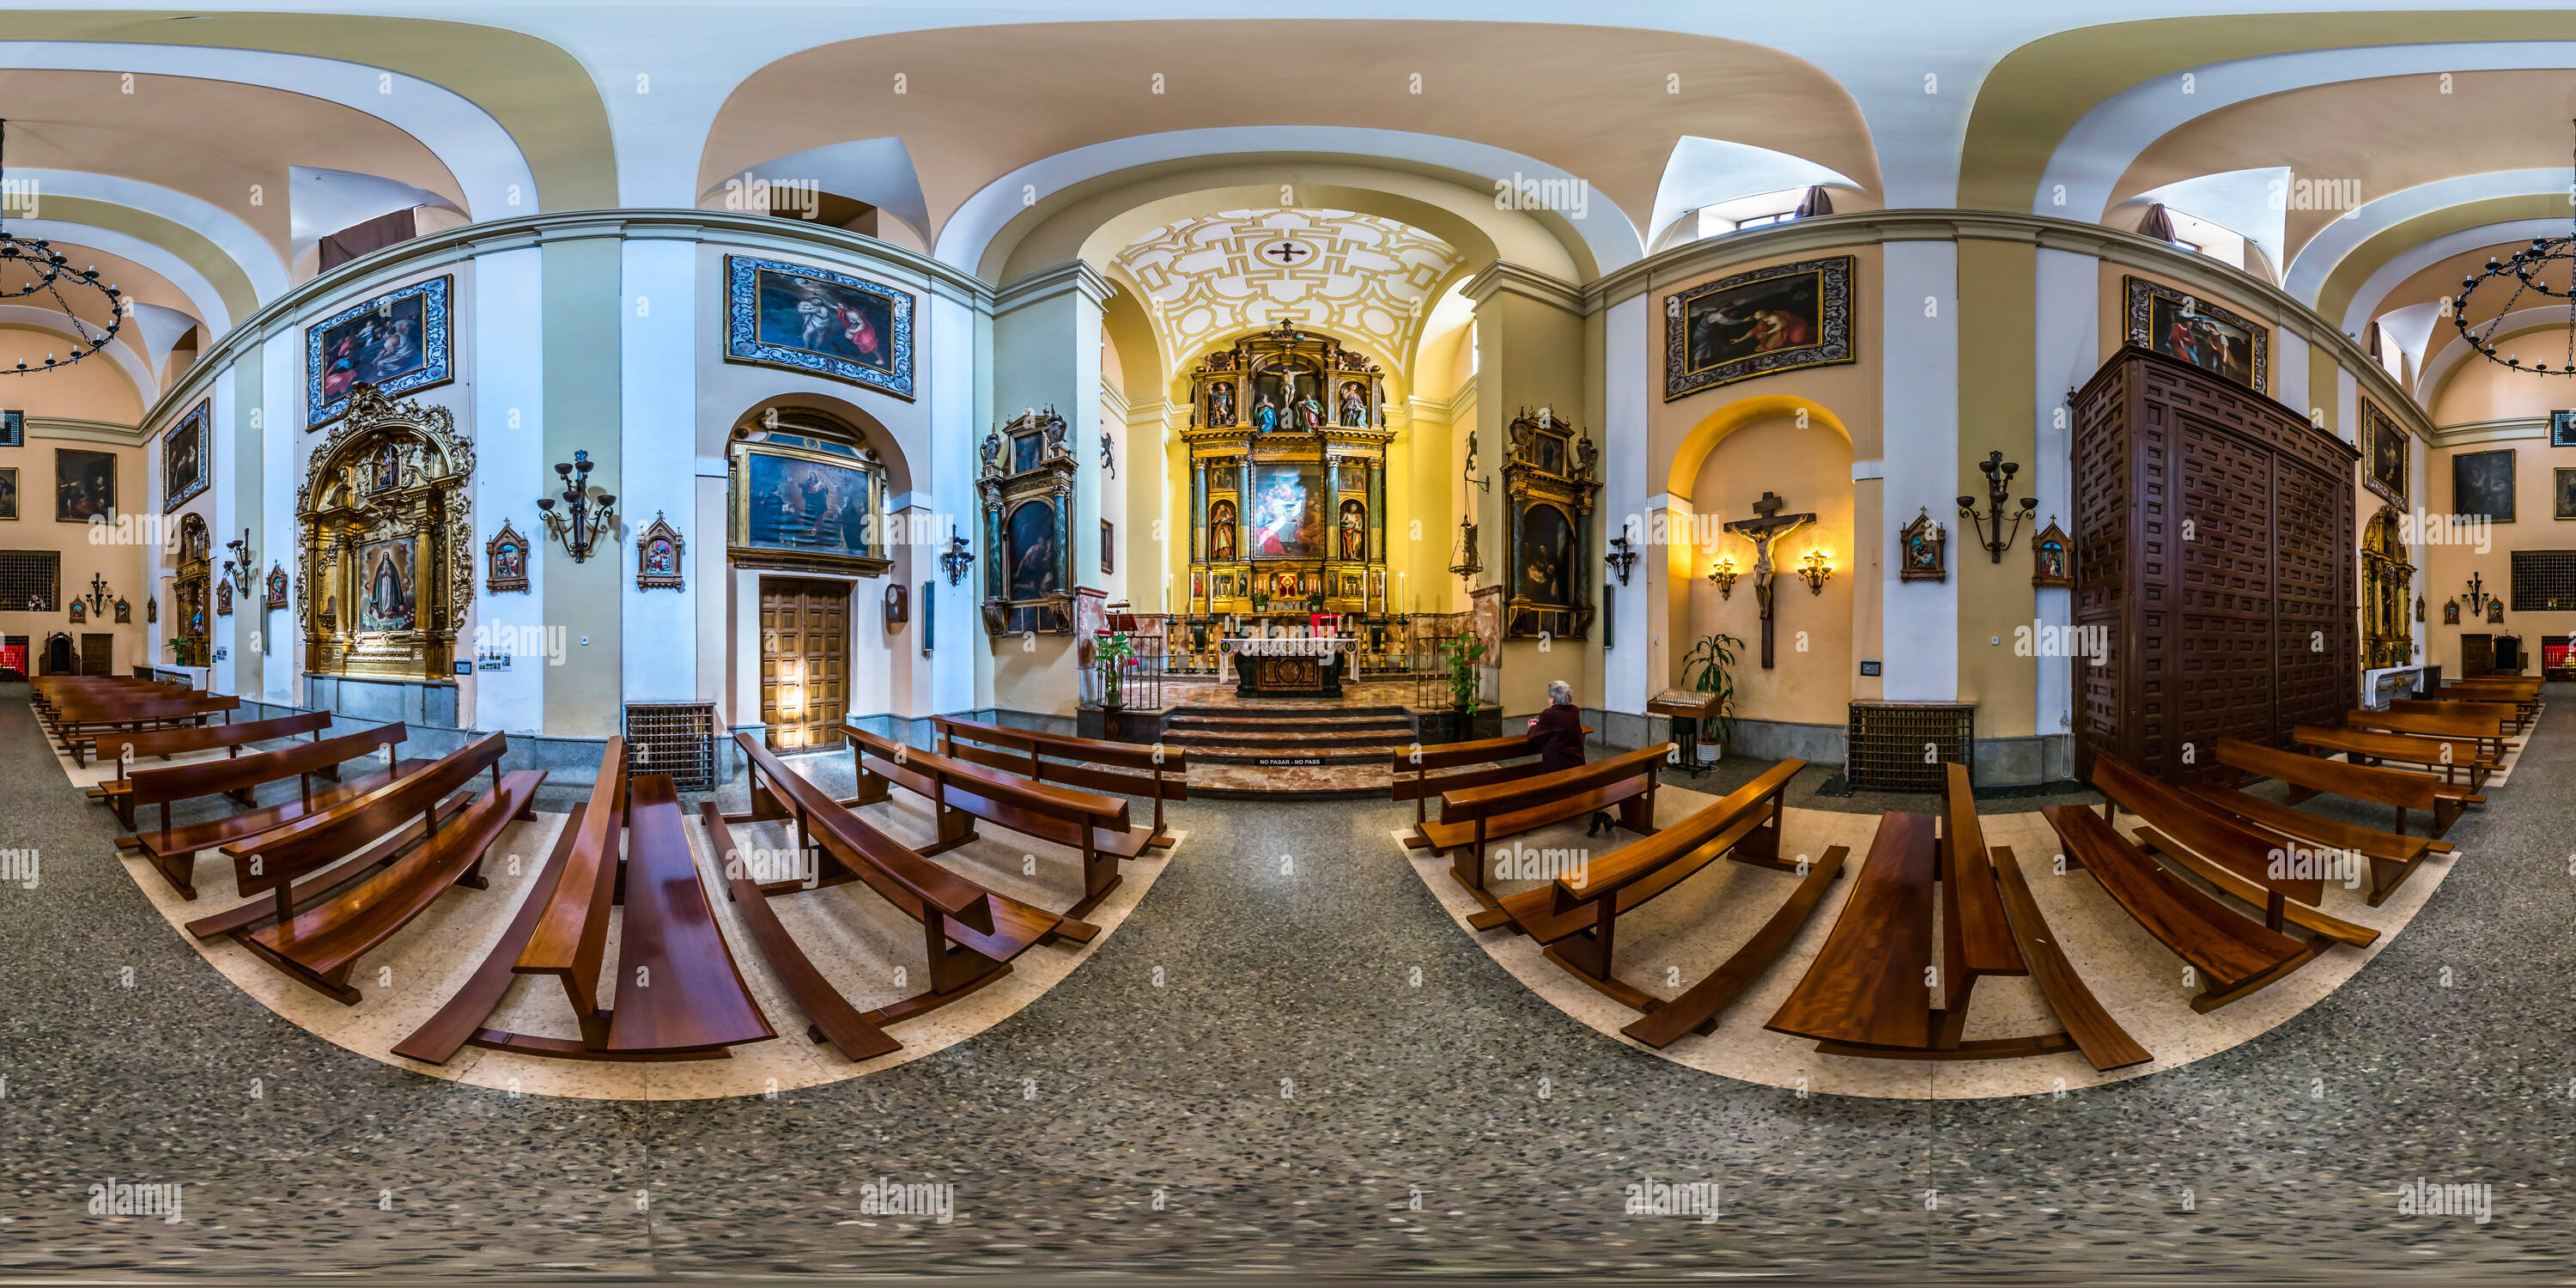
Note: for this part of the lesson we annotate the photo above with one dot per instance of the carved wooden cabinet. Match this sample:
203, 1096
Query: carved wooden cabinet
2214, 556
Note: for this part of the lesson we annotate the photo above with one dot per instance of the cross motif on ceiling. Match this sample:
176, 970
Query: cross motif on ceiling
1287, 253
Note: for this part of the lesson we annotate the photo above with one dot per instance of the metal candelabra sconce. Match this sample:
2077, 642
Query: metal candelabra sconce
237, 568
1724, 574
1989, 526
579, 529
2478, 595
956, 559
98, 594
1815, 572
1622, 558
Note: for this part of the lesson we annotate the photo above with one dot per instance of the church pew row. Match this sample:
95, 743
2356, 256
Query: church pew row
2308, 776
319, 946
2230, 955
1869, 991
118, 793
830, 1016
961, 793
172, 850
1479, 763
2245, 863
2487, 730
1473, 817
1157, 773
2453, 757
79, 726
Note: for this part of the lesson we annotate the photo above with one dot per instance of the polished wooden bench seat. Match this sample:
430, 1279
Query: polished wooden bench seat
2230, 956
1870, 985
172, 850
320, 945
2487, 730
118, 793
2308, 776
2453, 757
678, 989
831, 1017
2525, 698
1473, 817
2392, 858
1158, 773
79, 727
961, 792
1479, 763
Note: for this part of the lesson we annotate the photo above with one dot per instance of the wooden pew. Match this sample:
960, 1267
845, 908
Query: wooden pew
2229, 955
2506, 714
2307, 776
678, 989
832, 1018
969, 933
2525, 696
1480, 763
118, 793
1158, 772
2452, 756
2487, 730
319, 946
961, 792
1472, 817
172, 850
2259, 867
1866, 994
2392, 857
79, 726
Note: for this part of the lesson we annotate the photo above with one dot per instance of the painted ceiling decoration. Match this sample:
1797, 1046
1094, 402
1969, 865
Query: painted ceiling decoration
1364, 278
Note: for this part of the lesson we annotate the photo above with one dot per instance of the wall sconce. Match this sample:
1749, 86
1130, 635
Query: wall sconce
1989, 526
1622, 558
1724, 574
957, 559
238, 567
98, 595
2477, 595
1816, 572
580, 531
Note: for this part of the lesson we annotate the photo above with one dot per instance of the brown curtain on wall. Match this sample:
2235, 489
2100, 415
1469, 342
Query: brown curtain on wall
2157, 224
1816, 202
375, 234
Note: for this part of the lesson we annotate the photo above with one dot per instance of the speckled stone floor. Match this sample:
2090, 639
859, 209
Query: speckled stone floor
1289, 1064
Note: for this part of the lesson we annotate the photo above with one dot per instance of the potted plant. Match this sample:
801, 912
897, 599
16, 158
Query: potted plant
1462, 653
1710, 668
1113, 652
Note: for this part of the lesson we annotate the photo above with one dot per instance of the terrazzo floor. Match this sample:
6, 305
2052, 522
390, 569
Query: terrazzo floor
1290, 1063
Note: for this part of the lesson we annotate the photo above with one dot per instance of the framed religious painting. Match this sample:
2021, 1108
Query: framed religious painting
84, 485
505, 561
1108, 546
806, 509
2482, 483
818, 321
2387, 452
388, 585
183, 457
9, 492
2050, 566
657, 557
1923, 550
223, 597
2562, 429
80, 612
398, 342
276, 587
1787, 317
2206, 335
124, 612
13, 428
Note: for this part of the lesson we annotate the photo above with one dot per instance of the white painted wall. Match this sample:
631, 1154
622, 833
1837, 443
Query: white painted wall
1627, 682
657, 446
1922, 457
510, 472
2068, 328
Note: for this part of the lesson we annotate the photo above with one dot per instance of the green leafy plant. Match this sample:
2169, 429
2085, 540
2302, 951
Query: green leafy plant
1710, 668
1461, 654
1111, 654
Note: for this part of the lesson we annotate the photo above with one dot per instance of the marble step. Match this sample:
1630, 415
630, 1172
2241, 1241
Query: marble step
1277, 715
1285, 753
1284, 738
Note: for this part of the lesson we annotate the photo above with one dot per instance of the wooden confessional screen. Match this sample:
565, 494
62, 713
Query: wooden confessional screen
804, 661
2214, 537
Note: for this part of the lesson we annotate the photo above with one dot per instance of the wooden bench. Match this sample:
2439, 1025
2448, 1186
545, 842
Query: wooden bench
1869, 991
970, 934
2487, 730
2507, 714
1472, 817
2452, 756
118, 794
2525, 696
2392, 857
172, 850
831, 1017
79, 726
1158, 772
1480, 763
961, 792
319, 946
2229, 956
2308, 776
678, 989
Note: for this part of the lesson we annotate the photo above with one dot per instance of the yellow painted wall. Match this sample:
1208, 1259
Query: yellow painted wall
1809, 682
35, 528
2479, 390
2447, 568
94, 388
1998, 297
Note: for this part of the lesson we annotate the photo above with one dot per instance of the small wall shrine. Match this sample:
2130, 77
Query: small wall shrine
1550, 477
1027, 489
384, 561
1287, 443
191, 595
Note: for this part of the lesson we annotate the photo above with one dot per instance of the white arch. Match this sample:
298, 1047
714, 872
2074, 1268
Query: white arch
2324, 252
1703, 172
2455, 350
2407, 263
179, 272
239, 242
475, 148
1605, 229
137, 368
877, 171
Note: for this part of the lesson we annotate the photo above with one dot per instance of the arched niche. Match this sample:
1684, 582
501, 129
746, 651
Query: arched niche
384, 546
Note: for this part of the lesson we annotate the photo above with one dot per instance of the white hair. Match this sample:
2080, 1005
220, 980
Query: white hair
1560, 693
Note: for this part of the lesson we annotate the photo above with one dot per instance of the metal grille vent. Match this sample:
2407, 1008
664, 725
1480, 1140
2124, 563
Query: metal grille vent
1901, 746
675, 738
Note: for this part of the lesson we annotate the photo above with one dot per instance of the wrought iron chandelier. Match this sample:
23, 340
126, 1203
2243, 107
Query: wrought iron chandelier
50, 273
2552, 255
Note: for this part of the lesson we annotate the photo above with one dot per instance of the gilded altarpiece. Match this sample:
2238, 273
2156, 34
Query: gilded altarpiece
1550, 479
1287, 443
1027, 492
2387, 585
384, 559
189, 597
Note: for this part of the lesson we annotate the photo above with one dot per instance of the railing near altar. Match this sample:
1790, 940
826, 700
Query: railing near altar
1387, 647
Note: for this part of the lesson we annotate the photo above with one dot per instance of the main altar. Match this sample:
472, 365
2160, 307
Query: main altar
1287, 443
1303, 667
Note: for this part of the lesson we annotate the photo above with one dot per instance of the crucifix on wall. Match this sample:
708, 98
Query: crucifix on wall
1765, 531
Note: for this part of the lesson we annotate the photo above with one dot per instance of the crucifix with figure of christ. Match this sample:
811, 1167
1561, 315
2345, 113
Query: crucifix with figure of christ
1765, 532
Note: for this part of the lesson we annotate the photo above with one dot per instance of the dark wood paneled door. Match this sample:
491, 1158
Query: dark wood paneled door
804, 661
98, 655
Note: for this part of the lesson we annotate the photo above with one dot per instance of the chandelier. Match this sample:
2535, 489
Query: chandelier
2551, 256
50, 273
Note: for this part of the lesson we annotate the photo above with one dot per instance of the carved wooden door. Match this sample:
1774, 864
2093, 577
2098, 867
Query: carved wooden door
804, 661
